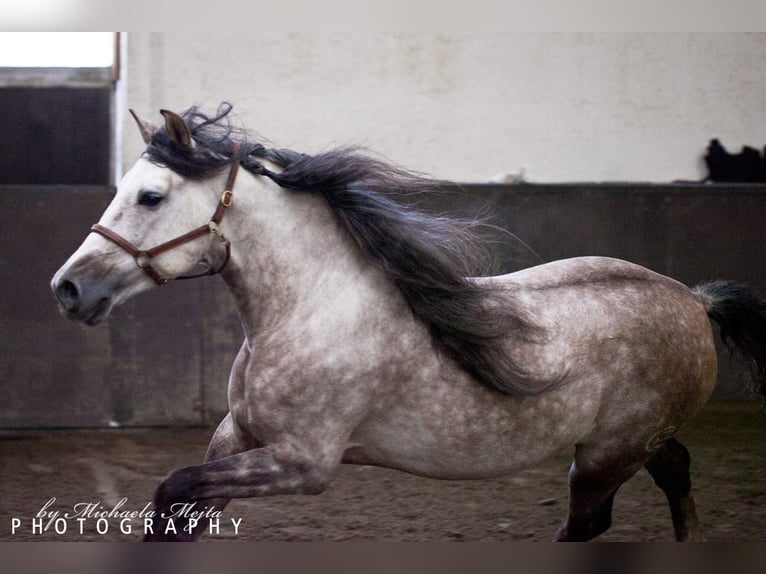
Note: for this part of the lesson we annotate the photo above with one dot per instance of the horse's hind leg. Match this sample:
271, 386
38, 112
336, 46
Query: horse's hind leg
669, 467
592, 488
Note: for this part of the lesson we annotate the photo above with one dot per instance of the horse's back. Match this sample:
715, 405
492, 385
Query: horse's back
609, 290
586, 273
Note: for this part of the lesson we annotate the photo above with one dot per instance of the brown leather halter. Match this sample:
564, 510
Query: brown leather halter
144, 256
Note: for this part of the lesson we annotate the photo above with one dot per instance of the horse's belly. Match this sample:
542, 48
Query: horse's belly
444, 459
477, 435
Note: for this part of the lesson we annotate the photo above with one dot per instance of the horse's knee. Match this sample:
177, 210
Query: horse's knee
311, 478
314, 484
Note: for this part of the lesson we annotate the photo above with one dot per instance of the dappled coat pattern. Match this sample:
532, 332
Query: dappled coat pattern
372, 334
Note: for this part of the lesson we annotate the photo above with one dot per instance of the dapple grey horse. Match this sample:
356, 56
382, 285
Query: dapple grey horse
366, 341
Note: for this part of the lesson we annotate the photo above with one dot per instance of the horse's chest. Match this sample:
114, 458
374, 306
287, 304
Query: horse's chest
268, 406
293, 397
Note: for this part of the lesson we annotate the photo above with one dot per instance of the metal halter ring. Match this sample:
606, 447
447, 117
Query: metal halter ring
216, 230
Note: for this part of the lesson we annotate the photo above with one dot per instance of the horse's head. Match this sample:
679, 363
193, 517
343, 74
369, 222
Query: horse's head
159, 226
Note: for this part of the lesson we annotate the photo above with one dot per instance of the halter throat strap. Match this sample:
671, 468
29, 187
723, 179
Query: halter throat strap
143, 257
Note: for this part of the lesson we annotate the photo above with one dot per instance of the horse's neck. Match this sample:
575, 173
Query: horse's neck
291, 261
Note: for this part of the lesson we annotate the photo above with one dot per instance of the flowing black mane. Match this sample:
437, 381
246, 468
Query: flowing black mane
428, 257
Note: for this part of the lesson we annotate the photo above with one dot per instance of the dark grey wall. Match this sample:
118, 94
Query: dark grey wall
61, 135
163, 358
689, 232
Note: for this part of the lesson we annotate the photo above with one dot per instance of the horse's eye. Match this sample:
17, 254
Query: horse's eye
150, 198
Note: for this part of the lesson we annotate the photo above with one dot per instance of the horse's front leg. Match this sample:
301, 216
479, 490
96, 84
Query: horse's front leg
227, 440
275, 469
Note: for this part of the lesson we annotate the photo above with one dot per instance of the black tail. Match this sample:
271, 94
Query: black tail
742, 318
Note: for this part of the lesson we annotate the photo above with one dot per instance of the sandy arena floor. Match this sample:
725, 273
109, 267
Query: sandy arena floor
727, 442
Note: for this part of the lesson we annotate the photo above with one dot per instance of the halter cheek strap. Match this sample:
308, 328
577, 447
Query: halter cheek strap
143, 257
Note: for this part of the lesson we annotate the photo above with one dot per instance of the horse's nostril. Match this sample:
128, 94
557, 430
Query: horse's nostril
68, 294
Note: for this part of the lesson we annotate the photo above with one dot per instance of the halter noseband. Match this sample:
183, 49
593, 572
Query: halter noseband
143, 257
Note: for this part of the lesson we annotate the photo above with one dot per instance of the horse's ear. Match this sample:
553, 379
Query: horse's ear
146, 128
177, 129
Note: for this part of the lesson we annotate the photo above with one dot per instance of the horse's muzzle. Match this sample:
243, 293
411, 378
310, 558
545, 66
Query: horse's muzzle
82, 301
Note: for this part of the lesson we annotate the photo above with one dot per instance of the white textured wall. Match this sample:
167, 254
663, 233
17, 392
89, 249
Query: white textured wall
569, 107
